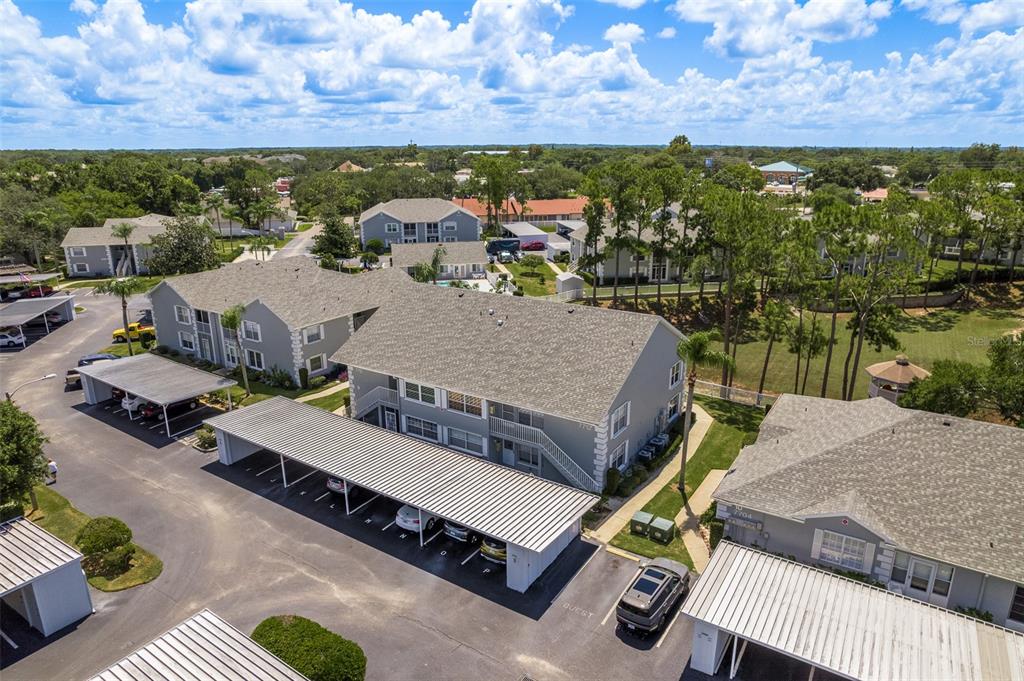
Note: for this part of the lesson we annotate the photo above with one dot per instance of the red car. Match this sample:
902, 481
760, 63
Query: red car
37, 292
533, 246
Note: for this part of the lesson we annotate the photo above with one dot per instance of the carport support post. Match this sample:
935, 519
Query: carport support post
166, 422
284, 474
46, 322
228, 391
23, 339
420, 512
347, 512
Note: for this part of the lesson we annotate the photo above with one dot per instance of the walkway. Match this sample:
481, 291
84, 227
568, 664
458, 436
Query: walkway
300, 243
337, 388
610, 527
688, 519
554, 268
503, 269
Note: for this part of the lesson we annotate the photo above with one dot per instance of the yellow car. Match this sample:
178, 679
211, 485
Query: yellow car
135, 330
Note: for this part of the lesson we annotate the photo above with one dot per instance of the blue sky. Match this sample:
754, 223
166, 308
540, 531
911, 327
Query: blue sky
226, 73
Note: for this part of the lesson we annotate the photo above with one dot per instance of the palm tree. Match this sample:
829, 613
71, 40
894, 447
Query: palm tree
425, 272
231, 319
125, 287
215, 202
124, 231
696, 352
436, 261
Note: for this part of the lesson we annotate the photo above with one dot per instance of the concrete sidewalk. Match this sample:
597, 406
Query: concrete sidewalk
688, 518
610, 527
323, 393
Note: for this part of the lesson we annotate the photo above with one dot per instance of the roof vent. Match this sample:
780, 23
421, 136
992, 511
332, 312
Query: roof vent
902, 360
490, 311
501, 322
571, 309
947, 423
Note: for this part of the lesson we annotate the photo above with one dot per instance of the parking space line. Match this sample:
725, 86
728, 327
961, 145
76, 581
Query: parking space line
9, 641
322, 496
363, 505
267, 470
158, 424
575, 574
434, 537
616, 603
470, 556
388, 525
679, 609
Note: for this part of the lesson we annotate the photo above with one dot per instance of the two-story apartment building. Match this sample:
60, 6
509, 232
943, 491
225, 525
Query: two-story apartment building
930, 506
460, 260
562, 391
296, 314
96, 252
414, 221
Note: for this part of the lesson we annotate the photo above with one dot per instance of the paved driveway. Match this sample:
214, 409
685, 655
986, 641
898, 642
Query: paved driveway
235, 542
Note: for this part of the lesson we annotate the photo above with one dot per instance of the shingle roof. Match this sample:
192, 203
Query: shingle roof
415, 210
455, 253
28, 552
296, 289
564, 360
146, 227
935, 485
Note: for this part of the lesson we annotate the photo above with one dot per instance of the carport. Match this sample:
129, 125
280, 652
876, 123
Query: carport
837, 625
525, 232
28, 278
536, 518
21, 312
41, 577
156, 379
202, 647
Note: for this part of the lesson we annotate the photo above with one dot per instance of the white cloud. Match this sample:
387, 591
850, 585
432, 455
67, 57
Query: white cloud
667, 32
971, 17
625, 4
83, 6
625, 34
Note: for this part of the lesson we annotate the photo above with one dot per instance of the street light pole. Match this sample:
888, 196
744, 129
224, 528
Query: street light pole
34, 380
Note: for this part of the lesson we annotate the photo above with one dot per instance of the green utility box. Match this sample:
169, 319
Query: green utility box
662, 530
640, 523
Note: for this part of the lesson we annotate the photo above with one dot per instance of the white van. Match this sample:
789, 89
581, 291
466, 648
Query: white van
11, 336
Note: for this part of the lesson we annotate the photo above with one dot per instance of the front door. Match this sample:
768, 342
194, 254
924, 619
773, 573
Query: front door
508, 453
391, 420
205, 349
921, 574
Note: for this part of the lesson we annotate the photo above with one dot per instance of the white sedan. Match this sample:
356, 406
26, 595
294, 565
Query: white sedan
408, 518
132, 402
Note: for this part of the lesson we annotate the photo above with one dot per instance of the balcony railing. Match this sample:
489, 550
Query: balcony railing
552, 452
361, 404
204, 327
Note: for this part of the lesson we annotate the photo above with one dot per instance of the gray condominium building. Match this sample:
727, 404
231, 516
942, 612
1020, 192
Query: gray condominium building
417, 221
923, 504
96, 252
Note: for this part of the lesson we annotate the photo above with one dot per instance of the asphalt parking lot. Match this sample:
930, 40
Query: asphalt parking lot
151, 431
235, 541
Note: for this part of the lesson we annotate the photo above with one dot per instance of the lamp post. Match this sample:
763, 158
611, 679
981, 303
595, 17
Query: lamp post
34, 380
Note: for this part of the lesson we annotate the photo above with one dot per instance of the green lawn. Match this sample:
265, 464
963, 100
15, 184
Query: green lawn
262, 391
530, 282
942, 334
333, 401
304, 226
149, 281
57, 516
121, 349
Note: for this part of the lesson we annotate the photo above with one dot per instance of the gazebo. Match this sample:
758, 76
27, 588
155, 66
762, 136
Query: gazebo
891, 379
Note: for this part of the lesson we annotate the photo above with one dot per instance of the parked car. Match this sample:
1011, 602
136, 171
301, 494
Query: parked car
136, 330
460, 533
151, 409
660, 585
38, 291
51, 318
117, 394
132, 402
408, 518
533, 246
494, 550
495, 246
336, 485
73, 378
505, 257
11, 336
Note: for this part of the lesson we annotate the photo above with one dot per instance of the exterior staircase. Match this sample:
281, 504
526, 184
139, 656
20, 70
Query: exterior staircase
571, 470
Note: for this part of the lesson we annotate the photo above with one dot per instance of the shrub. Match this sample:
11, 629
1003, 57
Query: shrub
518, 292
173, 353
304, 377
315, 652
611, 481
9, 510
146, 341
161, 349
328, 262
976, 613
103, 534
278, 378
205, 437
629, 484
317, 381
115, 562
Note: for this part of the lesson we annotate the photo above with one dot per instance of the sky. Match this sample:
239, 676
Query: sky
238, 73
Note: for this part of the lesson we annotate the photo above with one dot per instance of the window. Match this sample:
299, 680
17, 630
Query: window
81, 268
254, 360
182, 314
409, 240
527, 455
673, 407
315, 363
203, 316
523, 416
620, 419
312, 334
420, 393
409, 229
251, 331
675, 375
431, 239
186, 340
450, 226
78, 251
391, 228
943, 580
1017, 605
658, 270
421, 428
900, 565
432, 229
469, 442
465, 403
449, 239
619, 455
839, 549
231, 354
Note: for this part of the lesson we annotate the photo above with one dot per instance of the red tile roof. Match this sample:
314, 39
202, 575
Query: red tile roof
534, 207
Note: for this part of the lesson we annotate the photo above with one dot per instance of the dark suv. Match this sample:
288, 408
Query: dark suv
660, 585
496, 246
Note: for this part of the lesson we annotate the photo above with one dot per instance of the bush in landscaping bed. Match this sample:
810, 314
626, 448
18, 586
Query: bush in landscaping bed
304, 378
205, 437
611, 481
10, 510
316, 652
161, 349
103, 534
110, 564
317, 381
983, 615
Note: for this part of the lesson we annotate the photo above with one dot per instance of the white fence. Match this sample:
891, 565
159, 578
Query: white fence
738, 395
566, 296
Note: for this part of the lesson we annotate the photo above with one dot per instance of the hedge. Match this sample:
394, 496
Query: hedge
103, 534
315, 652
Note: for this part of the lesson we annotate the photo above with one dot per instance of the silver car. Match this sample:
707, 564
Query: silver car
654, 592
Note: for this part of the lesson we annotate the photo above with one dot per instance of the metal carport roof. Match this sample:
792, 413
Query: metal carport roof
23, 311
202, 648
27, 552
492, 499
156, 378
523, 229
33, 278
847, 627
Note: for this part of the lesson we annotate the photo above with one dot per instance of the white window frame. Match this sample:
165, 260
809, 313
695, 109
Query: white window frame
675, 374
450, 226
252, 365
465, 435
462, 405
1013, 599
617, 430
81, 268
246, 326
419, 393
449, 239
848, 548
420, 426
323, 363
391, 228
231, 354
676, 401
432, 229
619, 455
187, 341
77, 251
318, 328
183, 314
